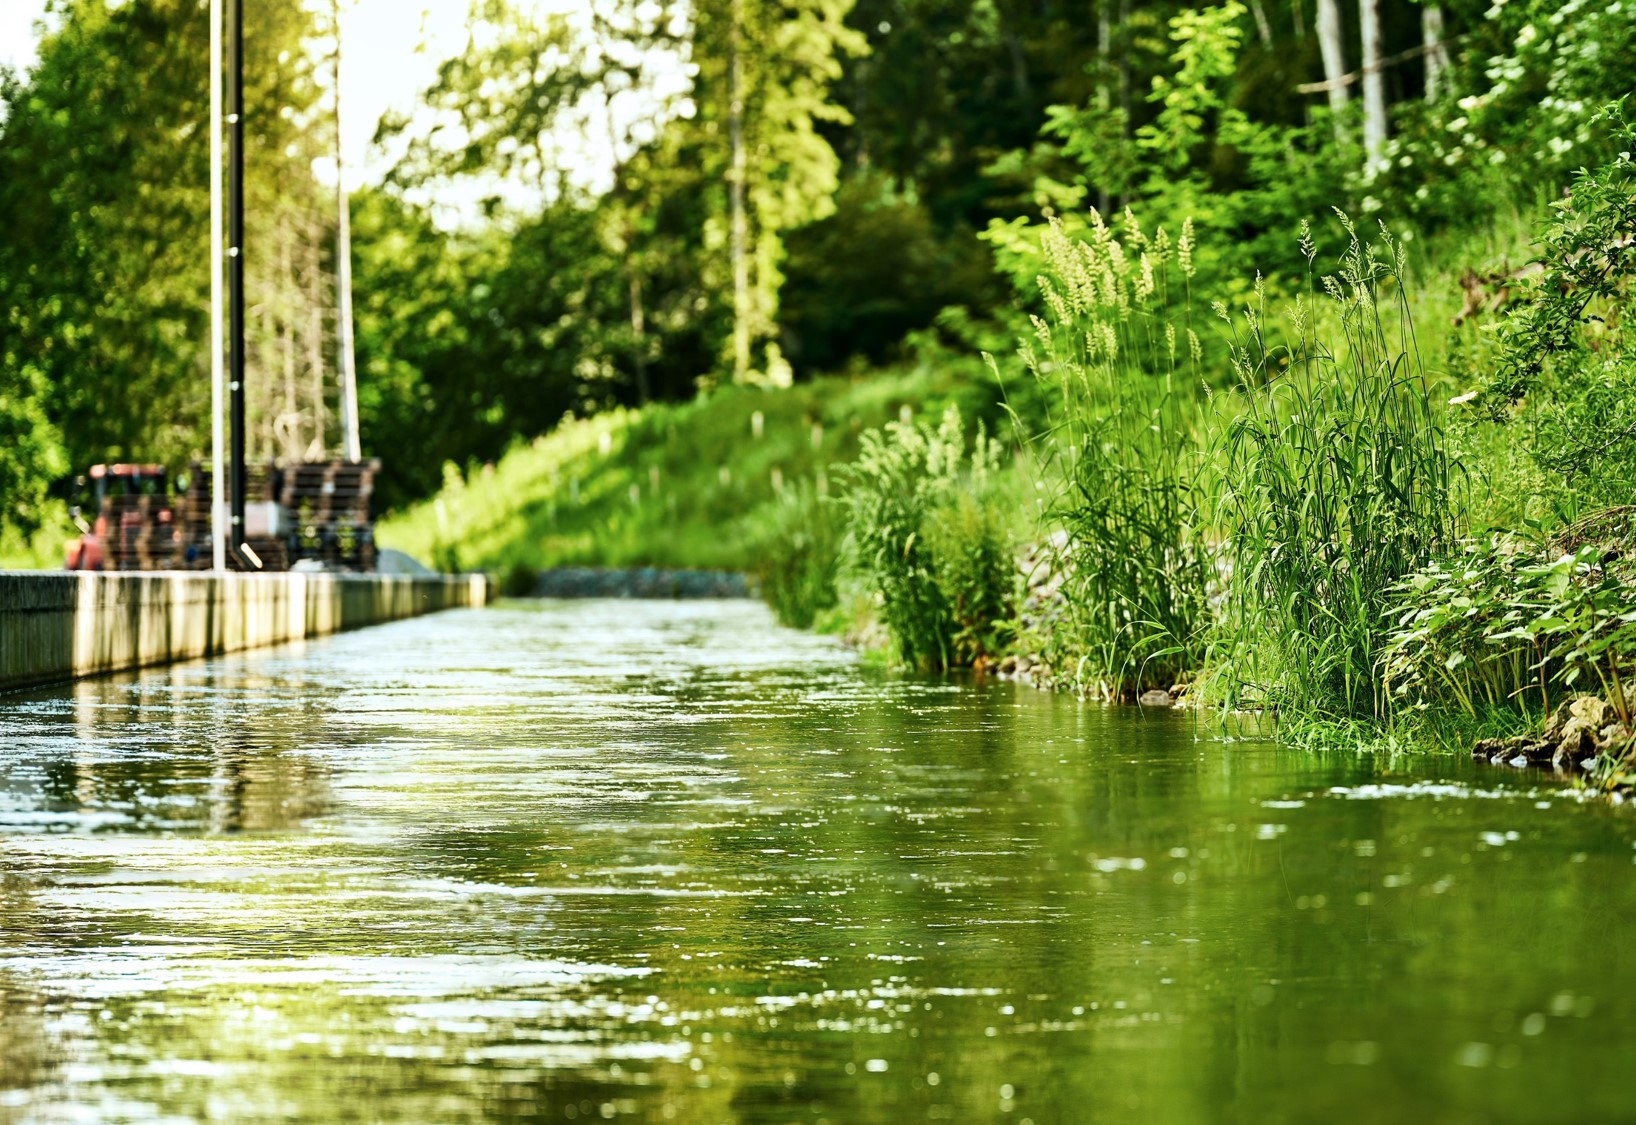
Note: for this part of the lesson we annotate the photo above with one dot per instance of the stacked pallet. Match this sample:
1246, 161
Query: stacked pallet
193, 520
139, 533
329, 502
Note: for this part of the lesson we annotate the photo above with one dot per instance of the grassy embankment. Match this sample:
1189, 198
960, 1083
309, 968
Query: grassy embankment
688, 485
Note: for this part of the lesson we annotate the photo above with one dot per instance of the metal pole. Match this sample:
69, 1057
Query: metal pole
350, 447
218, 529
235, 269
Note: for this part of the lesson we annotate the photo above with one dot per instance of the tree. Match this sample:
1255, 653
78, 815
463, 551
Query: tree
103, 192
763, 88
1374, 85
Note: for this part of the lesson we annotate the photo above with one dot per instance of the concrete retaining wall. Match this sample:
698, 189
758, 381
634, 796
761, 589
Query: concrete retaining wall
61, 626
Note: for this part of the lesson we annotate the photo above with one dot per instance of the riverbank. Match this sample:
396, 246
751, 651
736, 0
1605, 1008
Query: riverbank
1348, 507
62, 626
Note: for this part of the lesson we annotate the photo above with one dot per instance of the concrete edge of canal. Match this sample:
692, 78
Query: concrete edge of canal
62, 626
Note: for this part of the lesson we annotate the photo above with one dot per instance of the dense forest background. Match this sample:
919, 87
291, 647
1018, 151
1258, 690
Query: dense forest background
833, 187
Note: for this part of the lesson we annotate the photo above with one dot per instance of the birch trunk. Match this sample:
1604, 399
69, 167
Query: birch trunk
1437, 55
1124, 84
1263, 26
1374, 86
1104, 99
1333, 49
740, 234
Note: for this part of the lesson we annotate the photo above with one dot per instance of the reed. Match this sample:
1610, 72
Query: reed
1118, 454
1335, 485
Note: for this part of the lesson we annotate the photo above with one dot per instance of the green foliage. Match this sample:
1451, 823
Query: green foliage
1118, 434
1570, 311
1560, 370
1501, 626
799, 555
104, 268
763, 74
30, 449
1336, 485
1240, 180
1530, 87
929, 541
1205, 57
840, 305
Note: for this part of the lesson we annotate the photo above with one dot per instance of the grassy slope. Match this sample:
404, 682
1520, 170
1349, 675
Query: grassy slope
657, 496
648, 488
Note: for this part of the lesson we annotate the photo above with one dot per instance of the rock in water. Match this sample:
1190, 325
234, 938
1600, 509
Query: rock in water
1155, 698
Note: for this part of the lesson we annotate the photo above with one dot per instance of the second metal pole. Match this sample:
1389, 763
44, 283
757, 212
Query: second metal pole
218, 376
235, 272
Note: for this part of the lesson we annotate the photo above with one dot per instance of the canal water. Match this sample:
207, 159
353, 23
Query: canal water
660, 862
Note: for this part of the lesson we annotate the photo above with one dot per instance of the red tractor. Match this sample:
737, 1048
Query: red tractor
132, 523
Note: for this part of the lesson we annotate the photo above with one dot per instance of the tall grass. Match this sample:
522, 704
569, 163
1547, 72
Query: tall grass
1335, 485
1119, 355
930, 542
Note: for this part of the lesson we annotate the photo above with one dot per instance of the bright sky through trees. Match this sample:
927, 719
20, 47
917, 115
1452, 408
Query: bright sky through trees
393, 49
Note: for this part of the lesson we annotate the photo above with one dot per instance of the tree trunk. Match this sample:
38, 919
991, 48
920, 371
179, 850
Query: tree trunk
639, 331
1104, 50
351, 447
1333, 49
1374, 85
1124, 84
740, 234
1437, 55
1263, 27
287, 423
1019, 66
317, 446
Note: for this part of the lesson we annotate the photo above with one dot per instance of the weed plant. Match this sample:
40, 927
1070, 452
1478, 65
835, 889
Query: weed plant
1120, 442
1497, 626
1336, 486
930, 542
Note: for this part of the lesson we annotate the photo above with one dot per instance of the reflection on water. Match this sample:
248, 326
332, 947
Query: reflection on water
665, 862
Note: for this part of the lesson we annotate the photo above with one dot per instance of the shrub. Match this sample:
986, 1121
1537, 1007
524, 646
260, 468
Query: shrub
1498, 626
1561, 370
520, 580
930, 542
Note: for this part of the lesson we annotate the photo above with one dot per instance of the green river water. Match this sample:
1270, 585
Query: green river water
658, 862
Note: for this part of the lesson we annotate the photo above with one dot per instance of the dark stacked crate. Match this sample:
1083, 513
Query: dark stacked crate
140, 534
193, 519
329, 502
